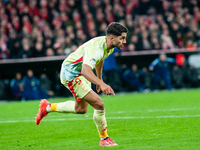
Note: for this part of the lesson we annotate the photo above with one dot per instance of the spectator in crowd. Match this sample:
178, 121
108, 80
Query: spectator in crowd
38, 50
161, 67
10, 43
25, 52
109, 68
167, 42
134, 40
49, 52
177, 76
3, 88
134, 77
155, 44
17, 88
147, 78
179, 40
145, 42
121, 68
68, 44
59, 89
131, 47
193, 76
59, 51
4, 54
186, 75
48, 43
33, 89
50, 22
14, 49
190, 45
46, 84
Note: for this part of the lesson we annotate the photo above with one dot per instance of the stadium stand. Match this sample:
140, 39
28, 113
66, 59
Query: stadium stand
29, 27
51, 29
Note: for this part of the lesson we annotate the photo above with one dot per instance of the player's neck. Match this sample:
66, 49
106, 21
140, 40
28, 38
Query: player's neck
109, 45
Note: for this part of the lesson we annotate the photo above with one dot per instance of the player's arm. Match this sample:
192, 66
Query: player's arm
90, 76
170, 60
153, 64
99, 70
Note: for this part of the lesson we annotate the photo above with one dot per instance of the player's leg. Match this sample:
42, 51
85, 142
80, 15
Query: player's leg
99, 118
167, 80
78, 107
81, 106
64, 107
156, 80
99, 114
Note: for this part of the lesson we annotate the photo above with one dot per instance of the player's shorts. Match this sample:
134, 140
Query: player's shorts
79, 86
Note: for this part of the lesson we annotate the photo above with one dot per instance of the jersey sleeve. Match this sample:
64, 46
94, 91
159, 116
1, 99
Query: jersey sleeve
154, 63
170, 60
92, 56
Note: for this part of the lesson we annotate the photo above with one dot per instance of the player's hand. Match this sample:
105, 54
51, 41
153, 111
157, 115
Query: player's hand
151, 68
98, 88
106, 89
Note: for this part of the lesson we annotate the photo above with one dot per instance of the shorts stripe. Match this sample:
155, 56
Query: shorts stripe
70, 85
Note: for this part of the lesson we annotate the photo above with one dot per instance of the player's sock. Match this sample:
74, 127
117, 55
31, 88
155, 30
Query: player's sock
100, 121
103, 134
64, 107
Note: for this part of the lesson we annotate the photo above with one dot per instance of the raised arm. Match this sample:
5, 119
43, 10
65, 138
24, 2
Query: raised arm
170, 60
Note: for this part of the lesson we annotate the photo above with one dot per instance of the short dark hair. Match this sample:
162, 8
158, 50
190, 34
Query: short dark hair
116, 29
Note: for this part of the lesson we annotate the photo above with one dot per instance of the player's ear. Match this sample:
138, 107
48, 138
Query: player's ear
112, 38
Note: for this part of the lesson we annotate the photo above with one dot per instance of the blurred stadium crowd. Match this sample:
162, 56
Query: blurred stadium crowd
122, 78
35, 28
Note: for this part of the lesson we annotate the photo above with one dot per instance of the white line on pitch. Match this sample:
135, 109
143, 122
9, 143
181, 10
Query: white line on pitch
121, 112
76, 119
159, 110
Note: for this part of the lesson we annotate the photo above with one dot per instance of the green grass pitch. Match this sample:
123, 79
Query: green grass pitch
137, 121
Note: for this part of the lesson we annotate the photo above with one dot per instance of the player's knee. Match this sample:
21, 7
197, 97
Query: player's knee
81, 111
99, 105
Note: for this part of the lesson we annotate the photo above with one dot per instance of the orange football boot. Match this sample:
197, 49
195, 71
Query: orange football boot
107, 142
42, 111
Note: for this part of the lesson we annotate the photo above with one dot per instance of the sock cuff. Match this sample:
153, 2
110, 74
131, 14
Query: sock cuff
53, 107
99, 112
103, 134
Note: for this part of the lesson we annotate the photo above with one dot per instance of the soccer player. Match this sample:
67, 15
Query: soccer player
77, 75
161, 67
17, 87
